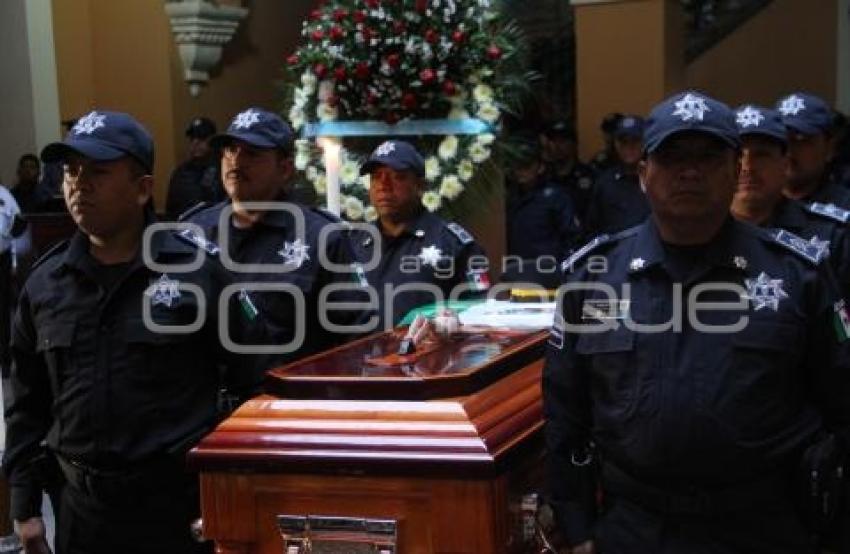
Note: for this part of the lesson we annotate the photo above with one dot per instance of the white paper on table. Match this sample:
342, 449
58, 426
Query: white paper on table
510, 315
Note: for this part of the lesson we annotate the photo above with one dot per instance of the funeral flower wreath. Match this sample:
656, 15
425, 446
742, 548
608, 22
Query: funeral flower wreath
410, 61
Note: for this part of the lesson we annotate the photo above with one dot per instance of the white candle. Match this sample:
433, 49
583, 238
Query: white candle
331, 149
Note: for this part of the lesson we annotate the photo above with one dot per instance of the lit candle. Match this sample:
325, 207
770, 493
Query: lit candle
331, 149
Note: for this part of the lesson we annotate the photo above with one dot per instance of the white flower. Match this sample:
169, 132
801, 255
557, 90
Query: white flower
302, 145
321, 183
478, 152
432, 168
349, 172
326, 112
301, 160
465, 170
458, 113
371, 214
353, 208
309, 80
431, 200
488, 112
296, 117
486, 138
450, 187
483, 93
311, 173
448, 148
365, 181
300, 98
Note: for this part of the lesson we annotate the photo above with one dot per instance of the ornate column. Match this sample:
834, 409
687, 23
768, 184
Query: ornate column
201, 29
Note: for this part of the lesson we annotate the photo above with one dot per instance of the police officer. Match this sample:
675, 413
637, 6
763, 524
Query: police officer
694, 417
618, 202
198, 179
115, 366
607, 157
12, 228
417, 257
540, 217
560, 151
276, 244
809, 121
761, 180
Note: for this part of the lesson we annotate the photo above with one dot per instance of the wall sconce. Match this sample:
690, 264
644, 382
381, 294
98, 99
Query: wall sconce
201, 29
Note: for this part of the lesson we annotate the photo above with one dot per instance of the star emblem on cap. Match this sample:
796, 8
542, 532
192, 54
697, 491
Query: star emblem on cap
164, 291
246, 119
89, 123
749, 117
637, 264
295, 253
765, 292
430, 255
628, 122
691, 107
385, 149
740, 262
792, 105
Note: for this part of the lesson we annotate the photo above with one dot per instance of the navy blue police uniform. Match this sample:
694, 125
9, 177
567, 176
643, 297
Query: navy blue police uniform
695, 433
278, 252
617, 202
430, 252
115, 375
808, 114
824, 227
576, 178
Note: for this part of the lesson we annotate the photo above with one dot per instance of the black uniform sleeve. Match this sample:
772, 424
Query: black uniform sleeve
27, 399
567, 412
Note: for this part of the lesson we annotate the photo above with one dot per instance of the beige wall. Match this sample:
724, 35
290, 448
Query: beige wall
120, 55
629, 54
790, 45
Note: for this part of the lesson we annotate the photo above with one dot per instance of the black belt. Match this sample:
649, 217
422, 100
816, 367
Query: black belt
110, 483
697, 501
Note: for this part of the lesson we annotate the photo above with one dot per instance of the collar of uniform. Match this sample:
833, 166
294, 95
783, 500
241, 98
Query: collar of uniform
721, 251
789, 215
419, 224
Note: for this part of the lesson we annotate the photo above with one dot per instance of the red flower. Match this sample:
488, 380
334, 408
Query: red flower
361, 71
399, 27
432, 36
394, 61
318, 35
421, 6
340, 14
321, 70
340, 73
494, 52
458, 37
293, 59
368, 34
332, 100
409, 101
359, 16
336, 33
449, 88
391, 118
372, 98
428, 76
315, 15
373, 4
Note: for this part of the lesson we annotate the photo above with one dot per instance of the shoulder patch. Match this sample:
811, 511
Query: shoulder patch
193, 210
52, 251
814, 250
462, 234
597, 241
190, 237
830, 211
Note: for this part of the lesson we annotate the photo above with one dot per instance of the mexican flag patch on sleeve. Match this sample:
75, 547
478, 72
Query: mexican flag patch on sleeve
841, 321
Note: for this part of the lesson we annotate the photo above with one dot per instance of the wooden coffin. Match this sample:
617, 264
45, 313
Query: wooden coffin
432, 453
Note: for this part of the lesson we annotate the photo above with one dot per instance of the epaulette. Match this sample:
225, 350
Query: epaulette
462, 234
55, 249
830, 211
193, 210
814, 250
189, 236
597, 241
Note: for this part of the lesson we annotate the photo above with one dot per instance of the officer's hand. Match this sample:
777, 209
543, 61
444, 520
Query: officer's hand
33, 536
587, 547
